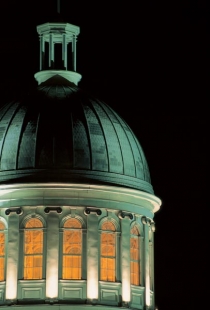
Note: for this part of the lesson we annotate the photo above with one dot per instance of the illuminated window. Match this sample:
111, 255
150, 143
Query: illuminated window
134, 256
2, 251
108, 250
72, 249
33, 249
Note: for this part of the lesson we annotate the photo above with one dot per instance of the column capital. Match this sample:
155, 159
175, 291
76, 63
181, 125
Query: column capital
55, 209
92, 211
123, 214
18, 211
147, 221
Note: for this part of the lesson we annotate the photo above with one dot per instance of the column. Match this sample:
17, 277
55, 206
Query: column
92, 256
74, 51
52, 255
146, 262
151, 244
118, 255
125, 259
141, 255
51, 51
42, 53
64, 52
12, 256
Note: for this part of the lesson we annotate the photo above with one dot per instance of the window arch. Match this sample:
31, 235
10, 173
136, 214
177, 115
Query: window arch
33, 249
2, 251
72, 249
108, 252
135, 255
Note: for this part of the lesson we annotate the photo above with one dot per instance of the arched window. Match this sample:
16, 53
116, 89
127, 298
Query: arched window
33, 249
108, 252
134, 256
2, 252
72, 249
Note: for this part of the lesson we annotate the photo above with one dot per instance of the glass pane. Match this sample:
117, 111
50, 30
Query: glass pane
33, 249
33, 267
72, 245
135, 263
134, 248
28, 261
1, 268
2, 239
108, 269
107, 244
2, 227
37, 273
72, 242
107, 272
33, 223
37, 261
134, 230
33, 242
2, 252
108, 226
73, 223
71, 267
135, 273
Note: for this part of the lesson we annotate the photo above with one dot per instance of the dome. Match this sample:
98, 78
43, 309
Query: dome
57, 133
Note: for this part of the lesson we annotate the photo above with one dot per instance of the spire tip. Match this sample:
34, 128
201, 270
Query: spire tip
58, 6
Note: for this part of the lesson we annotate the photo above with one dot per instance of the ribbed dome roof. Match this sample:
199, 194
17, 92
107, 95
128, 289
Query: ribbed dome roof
59, 134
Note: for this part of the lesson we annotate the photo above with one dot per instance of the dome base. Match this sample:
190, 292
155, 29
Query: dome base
45, 75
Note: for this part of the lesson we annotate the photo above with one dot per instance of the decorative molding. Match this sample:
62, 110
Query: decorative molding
72, 289
30, 216
72, 292
73, 194
44, 75
137, 297
152, 225
147, 221
2, 292
14, 210
53, 209
124, 214
92, 210
144, 220
69, 216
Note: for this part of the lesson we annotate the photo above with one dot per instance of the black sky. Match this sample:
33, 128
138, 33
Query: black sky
150, 62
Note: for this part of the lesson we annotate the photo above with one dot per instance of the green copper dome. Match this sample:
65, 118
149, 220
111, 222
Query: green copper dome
59, 134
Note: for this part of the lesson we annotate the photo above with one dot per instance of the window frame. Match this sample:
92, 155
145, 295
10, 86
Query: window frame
83, 248
139, 261
116, 224
21, 247
5, 232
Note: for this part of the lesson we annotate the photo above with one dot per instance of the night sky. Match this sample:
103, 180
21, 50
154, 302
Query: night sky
150, 63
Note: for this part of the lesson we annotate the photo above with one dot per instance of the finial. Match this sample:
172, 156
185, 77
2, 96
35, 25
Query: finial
58, 6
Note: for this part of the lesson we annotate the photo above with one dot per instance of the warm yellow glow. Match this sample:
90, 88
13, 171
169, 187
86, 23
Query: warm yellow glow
51, 286
126, 291
147, 290
2, 251
72, 249
134, 256
11, 283
33, 250
107, 267
92, 286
